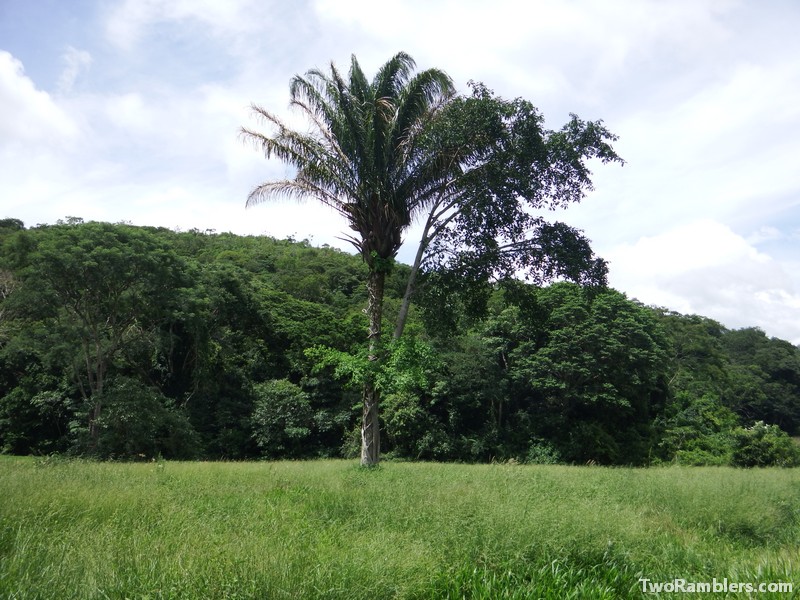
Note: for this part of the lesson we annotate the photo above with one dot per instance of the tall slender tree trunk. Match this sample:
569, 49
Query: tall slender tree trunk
96, 369
370, 425
402, 316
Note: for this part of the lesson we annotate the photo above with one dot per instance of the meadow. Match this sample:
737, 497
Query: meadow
329, 529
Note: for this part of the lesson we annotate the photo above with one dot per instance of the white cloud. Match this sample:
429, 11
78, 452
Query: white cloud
721, 125
725, 151
28, 115
696, 245
129, 20
76, 63
765, 233
130, 112
37, 132
703, 267
549, 49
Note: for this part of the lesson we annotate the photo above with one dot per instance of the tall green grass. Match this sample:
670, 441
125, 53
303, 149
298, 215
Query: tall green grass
328, 529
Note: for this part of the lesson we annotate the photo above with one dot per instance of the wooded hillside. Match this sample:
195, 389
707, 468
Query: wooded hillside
128, 342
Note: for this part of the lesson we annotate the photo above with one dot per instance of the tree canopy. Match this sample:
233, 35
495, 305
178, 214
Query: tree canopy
214, 362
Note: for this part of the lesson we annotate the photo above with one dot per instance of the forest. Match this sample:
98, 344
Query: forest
134, 343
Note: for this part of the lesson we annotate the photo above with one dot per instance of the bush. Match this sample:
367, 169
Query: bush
697, 432
591, 443
138, 422
764, 446
542, 452
714, 451
412, 431
282, 419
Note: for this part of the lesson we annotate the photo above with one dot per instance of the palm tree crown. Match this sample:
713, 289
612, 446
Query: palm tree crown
365, 154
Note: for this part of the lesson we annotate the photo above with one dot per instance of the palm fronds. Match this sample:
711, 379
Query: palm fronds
364, 155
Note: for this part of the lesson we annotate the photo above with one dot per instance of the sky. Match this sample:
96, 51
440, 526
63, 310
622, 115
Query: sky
130, 110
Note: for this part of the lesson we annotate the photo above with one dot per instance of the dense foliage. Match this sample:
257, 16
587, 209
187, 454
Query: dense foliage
126, 342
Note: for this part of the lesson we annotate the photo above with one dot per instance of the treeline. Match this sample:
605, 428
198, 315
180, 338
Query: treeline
129, 342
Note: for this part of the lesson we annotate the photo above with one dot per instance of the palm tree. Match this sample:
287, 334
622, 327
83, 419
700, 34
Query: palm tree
365, 157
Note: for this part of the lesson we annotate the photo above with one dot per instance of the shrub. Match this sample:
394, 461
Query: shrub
412, 431
138, 422
282, 419
542, 452
697, 431
763, 446
591, 443
713, 451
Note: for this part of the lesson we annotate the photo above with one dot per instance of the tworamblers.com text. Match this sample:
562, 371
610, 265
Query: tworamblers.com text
715, 585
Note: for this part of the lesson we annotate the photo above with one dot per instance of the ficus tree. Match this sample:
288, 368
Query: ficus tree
404, 147
485, 224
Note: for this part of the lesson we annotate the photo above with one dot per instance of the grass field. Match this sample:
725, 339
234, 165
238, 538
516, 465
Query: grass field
328, 529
